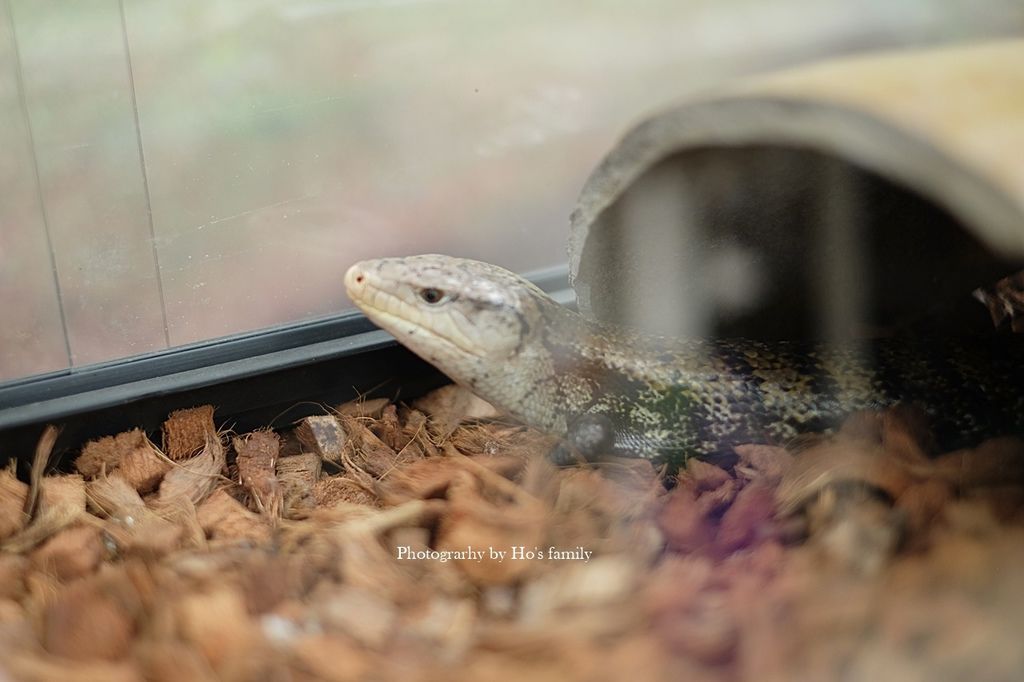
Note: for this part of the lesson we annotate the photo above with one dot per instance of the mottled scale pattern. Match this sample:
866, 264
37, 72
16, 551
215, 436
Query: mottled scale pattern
671, 400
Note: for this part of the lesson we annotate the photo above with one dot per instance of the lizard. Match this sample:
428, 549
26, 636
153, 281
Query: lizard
611, 390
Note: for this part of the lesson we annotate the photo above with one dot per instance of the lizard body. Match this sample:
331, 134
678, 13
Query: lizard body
497, 334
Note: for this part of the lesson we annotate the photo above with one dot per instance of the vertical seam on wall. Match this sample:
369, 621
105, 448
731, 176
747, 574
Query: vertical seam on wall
145, 173
23, 103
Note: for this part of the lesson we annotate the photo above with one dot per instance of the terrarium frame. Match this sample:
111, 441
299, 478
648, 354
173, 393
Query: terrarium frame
264, 378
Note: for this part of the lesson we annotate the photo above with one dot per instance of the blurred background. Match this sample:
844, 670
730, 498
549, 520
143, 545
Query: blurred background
174, 172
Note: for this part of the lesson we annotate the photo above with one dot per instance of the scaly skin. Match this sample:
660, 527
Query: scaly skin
668, 399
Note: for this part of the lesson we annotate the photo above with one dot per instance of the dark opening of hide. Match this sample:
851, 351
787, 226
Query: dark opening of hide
776, 242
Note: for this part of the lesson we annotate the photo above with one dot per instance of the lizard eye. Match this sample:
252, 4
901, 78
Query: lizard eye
431, 295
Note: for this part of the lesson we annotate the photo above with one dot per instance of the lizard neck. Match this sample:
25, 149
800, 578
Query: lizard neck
567, 364
530, 385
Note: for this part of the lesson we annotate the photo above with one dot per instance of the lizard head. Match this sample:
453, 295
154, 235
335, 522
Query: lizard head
464, 316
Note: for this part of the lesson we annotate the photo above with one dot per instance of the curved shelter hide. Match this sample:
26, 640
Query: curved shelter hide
830, 202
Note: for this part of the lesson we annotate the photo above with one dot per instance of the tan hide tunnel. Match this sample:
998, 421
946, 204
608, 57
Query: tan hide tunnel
833, 200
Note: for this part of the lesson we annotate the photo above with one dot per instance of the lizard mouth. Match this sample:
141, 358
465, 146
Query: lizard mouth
402, 319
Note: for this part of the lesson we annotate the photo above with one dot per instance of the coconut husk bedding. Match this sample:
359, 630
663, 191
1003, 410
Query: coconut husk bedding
384, 541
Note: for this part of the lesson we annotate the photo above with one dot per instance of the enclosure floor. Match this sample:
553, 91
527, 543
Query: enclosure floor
434, 541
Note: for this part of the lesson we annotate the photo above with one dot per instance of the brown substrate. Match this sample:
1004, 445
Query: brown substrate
367, 544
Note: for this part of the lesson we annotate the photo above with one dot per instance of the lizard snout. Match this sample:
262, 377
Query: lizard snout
355, 280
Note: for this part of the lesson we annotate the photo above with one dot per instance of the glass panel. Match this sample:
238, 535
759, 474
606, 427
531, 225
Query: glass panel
77, 89
320, 133
212, 166
32, 333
